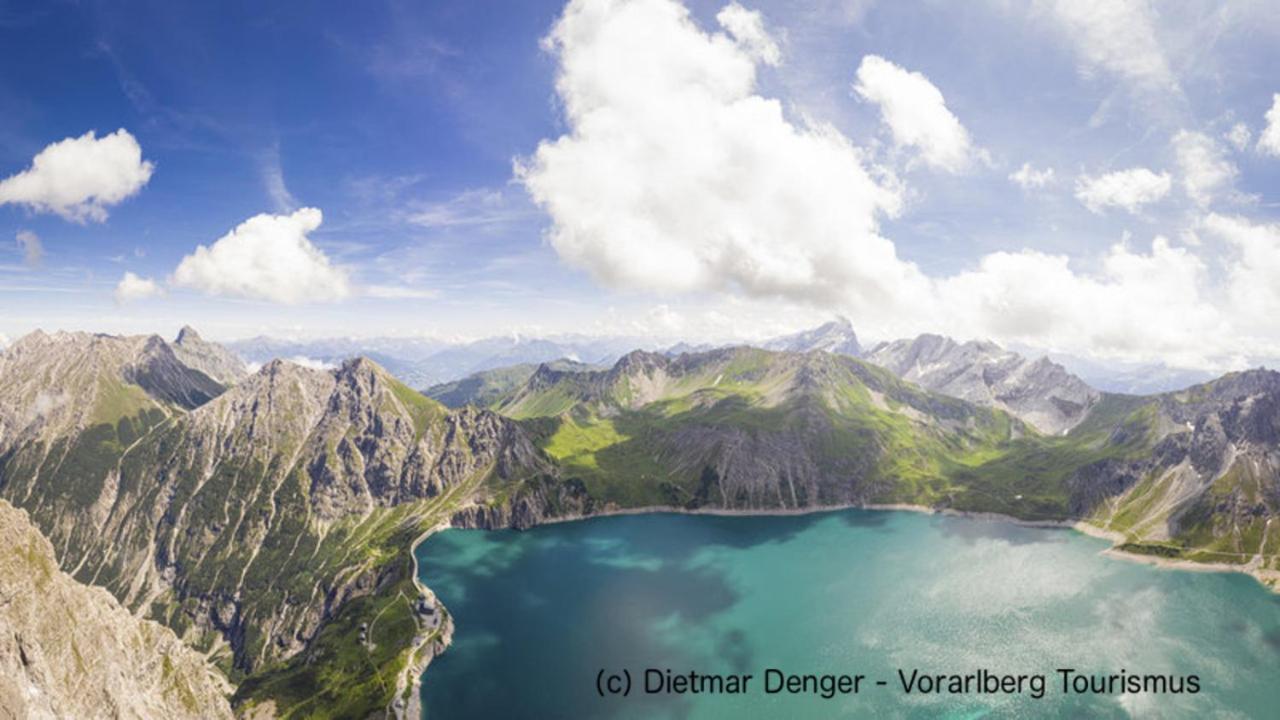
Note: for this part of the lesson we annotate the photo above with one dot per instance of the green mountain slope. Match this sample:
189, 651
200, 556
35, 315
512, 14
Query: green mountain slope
484, 388
744, 428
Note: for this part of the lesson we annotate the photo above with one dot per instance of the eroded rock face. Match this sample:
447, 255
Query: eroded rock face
1040, 392
69, 650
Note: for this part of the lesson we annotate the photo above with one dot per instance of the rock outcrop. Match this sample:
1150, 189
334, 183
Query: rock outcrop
68, 650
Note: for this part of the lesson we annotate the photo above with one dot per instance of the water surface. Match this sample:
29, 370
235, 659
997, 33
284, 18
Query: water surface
540, 613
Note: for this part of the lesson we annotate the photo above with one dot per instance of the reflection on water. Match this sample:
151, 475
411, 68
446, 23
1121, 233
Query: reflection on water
540, 613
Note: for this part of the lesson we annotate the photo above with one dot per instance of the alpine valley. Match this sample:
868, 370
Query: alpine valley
252, 533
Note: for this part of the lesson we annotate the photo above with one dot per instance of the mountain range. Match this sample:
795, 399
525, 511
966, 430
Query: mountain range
267, 519
420, 362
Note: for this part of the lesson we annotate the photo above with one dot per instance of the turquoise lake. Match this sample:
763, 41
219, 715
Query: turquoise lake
540, 613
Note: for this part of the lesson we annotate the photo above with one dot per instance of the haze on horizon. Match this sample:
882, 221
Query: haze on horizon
1092, 178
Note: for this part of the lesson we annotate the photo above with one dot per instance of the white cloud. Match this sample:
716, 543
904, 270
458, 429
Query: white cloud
79, 178
131, 287
31, 247
676, 176
1127, 189
1205, 169
1028, 178
1252, 288
747, 27
1117, 36
1140, 305
267, 257
916, 113
1269, 140
1239, 136
311, 363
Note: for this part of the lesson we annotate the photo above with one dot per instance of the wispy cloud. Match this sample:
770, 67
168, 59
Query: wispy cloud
398, 292
484, 206
31, 248
271, 171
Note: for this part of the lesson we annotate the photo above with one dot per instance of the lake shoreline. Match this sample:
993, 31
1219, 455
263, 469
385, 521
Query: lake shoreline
1268, 579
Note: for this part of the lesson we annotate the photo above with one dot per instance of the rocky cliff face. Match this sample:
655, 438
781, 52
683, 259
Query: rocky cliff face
68, 650
1040, 392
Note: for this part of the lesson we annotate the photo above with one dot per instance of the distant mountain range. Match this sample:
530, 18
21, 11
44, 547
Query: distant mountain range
421, 363
268, 518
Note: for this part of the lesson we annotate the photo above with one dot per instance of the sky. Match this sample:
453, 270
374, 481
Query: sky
1094, 178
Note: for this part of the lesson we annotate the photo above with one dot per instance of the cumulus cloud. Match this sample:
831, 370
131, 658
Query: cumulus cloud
1205, 168
1115, 36
747, 27
79, 178
1029, 178
1239, 136
31, 247
1126, 189
131, 287
677, 176
267, 257
1252, 288
1269, 140
916, 113
1139, 305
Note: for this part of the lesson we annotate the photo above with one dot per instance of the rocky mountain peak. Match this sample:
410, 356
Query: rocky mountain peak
639, 361
1040, 391
209, 358
835, 336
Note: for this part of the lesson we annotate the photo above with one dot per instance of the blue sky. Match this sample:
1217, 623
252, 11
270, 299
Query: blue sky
709, 171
